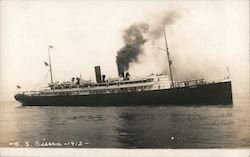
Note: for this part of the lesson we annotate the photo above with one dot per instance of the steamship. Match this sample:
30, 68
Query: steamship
154, 89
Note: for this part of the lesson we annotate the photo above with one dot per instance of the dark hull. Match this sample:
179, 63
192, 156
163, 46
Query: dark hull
213, 93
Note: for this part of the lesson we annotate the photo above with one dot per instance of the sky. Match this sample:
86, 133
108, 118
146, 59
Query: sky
205, 38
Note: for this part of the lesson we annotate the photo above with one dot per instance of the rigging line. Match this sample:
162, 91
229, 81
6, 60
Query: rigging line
38, 84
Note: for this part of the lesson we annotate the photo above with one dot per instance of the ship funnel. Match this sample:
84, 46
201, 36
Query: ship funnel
120, 69
98, 74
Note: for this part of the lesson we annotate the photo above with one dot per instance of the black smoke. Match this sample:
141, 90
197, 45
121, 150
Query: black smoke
134, 40
137, 34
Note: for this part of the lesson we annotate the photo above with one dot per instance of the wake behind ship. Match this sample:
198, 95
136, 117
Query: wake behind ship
154, 89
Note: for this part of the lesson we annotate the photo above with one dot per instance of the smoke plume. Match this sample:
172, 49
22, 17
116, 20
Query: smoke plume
134, 40
137, 34
167, 19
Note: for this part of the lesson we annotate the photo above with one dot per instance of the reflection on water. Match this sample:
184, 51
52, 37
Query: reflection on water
214, 126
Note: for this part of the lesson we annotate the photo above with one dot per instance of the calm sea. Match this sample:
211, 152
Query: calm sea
204, 126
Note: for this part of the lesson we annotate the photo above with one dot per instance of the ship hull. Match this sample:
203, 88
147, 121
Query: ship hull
213, 93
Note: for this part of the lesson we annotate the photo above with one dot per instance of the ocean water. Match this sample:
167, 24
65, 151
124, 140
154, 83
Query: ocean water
206, 126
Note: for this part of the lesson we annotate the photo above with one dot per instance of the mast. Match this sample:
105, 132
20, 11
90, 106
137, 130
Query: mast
228, 76
50, 67
168, 57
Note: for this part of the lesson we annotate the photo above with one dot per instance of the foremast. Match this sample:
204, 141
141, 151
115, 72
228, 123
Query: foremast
50, 66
